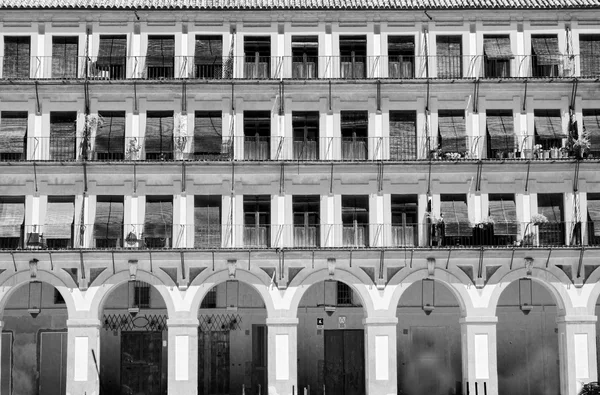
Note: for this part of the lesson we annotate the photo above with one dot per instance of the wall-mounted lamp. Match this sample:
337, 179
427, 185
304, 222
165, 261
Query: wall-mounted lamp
525, 295
428, 295
34, 303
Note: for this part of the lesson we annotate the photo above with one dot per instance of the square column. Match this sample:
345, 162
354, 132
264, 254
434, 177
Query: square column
479, 360
83, 343
577, 352
282, 360
380, 356
182, 362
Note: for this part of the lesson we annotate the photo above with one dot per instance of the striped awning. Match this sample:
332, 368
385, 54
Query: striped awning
59, 220
456, 218
497, 47
594, 213
161, 51
159, 219
112, 50
453, 132
109, 220
209, 49
504, 213
501, 131
12, 216
545, 50
591, 123
548, 125
13, 132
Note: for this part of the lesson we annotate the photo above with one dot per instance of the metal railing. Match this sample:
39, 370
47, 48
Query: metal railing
302, 67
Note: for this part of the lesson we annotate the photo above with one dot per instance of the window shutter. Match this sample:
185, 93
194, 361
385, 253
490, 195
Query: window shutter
504, 213
64, 57
59, 220
161, 51
112, 50
159, 133
453, 132
497, 47
12, 216
207, 223
500, 127
62, 135
13, 132
545, 48
110, 136
159, 218
109, 220
591, 123
589, 48
17, 57
208, 133
449, 56
548, 124
209, 49
403, 135
456, 218
594, 213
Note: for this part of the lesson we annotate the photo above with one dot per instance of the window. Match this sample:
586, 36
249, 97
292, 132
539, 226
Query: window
58, 228
208, 136
207, 221
257, 220
12, 216
502, 141
160, 57
257, 132
353, 57
306, 220
404, 220
449, 56
589, 49
158, 224
549, 132
455, 213
591, 123
344, 294
403, 135
65, 52
63, 136
355, 219
210, 300
208, 59
257, 53
159, 135
452, 132
305, 57
503, 211
496, 50
551, 206
355, 132
545, 56
13, 135
141, 294
112, 57
305, 125
110, 136
401, 56
593, 209
58, 298
16, 57
108, 225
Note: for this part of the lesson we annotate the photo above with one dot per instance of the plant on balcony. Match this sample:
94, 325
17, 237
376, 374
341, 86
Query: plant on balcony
180, 139
538, 219
582, 145
92, 122
537, 151
132, 152
485, 223
453, 156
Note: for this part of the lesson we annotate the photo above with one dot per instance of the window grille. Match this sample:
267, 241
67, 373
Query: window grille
344, 294
141, 294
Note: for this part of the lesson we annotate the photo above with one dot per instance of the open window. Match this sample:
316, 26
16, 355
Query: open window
503, 212
257, 53
353, 57
404, 220
257, 135
593, 210
496, 50
549, 132
355, 132
305, 125
108, 225
112, 57
355, 219
501, 138
306, 211
546, 57
207, 221
257, 220
403, 135
158, 223
305, 57
58, 228
401, 56
552, 232
591, 123
12, 217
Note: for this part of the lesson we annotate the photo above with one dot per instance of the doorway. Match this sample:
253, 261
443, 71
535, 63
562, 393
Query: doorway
213, 363
344, 362
259, 359
141, 356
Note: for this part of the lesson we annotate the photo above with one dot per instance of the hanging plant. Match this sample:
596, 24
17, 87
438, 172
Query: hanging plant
538, 219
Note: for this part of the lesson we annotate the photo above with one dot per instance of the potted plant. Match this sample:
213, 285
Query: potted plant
132, 152
582, 145
564, 152
453, 156
538, 219
537, 151
554, 153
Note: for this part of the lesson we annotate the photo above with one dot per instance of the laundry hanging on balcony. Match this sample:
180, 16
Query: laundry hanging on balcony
208, 133
545, 50
59, 220
13, 132
110, 135
16, 57
497, 47
456, 218
504, 213
453, 131
159, 219
594, 213
500, 127
109, 220
591, 123
548, 124
112, 51
12, 216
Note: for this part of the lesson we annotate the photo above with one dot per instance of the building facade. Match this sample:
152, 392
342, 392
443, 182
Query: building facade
299, 198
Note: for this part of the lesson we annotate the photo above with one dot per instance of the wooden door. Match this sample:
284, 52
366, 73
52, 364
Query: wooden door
259, 359
53, 363
429, 346
141, 355
344, 362
6, 363
213, 363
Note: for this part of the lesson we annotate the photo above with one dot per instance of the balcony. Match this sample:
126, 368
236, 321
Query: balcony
305, 68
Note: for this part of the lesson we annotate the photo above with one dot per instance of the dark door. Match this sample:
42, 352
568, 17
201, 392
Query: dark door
344, 362
259, 359
6, 363
53, 363
429, 351
141, 355
213, 363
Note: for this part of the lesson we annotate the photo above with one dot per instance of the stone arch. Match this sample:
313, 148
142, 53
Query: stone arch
113, 282
18, 279
358, 283
445, 277
205, 283
544, 277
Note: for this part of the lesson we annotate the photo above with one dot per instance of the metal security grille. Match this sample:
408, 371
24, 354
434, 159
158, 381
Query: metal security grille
219, 322
210, 300
141, 294
125, 322
344, 294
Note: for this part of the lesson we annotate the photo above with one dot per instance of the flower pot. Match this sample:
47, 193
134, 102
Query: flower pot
527, 154
554, 153
499, 155
511, 155
546, 154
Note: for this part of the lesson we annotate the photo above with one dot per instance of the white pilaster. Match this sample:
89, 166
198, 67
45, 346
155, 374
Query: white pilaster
380, 356
83, 345
479, 361
282, 356
182, 356
577, 352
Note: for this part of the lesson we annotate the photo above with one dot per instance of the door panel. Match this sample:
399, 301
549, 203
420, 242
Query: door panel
53, 363
213, 363
6, 363
344, 362
429, 353
141, 355
259, 358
